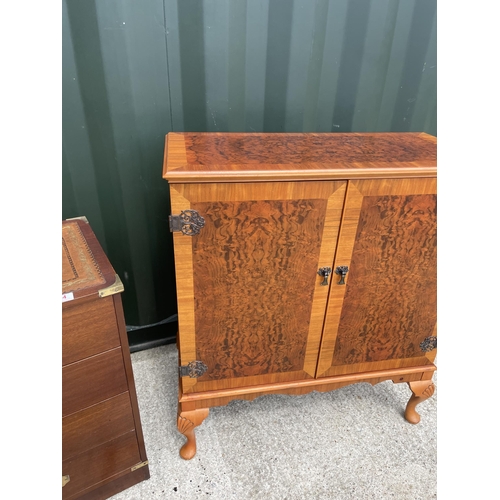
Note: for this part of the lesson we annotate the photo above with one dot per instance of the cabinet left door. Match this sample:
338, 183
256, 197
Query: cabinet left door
250, 300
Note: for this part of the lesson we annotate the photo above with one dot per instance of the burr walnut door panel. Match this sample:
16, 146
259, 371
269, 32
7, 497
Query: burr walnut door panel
387, 307
251, 304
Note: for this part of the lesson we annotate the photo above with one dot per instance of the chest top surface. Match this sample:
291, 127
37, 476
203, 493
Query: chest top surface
233, 157
85, 268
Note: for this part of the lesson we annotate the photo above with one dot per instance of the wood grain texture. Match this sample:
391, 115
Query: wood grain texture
98, 464
129, 373
96, 425
113, 485
92, 380
388, 305
255, 270
99, 400
328, 245
227, 149
209, 399
248, 305
88, 328
278, 240
233, 157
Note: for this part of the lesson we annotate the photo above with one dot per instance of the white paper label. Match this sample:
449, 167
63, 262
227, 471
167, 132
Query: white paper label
67, 296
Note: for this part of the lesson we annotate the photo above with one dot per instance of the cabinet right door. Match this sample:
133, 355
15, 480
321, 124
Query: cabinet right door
384, 316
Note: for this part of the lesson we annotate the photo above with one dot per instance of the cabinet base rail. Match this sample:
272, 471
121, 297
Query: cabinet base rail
194, 407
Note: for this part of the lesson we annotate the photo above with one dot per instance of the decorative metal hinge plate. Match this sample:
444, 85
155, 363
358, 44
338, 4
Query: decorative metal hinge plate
194, 369
138, 466
428, 344
189, 222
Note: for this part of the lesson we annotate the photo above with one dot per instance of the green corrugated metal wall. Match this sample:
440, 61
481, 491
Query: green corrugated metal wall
133, 71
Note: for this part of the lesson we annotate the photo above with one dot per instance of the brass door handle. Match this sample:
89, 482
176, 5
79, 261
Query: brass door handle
65, 480
325, 272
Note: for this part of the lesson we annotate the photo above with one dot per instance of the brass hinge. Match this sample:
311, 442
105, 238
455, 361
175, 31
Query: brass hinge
138, 466
65, 480
189, 222
194, 369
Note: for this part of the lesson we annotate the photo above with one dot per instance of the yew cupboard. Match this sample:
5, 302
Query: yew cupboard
303, 262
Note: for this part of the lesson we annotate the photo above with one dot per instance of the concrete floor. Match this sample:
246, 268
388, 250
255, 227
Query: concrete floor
352, 443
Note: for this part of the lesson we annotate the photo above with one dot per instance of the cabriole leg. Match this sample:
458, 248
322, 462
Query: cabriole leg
422, 390
186, 422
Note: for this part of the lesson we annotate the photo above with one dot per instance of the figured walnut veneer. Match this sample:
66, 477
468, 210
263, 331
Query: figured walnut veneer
277, 208
282, 149
392, 281
237, 157
245, 149
254, 265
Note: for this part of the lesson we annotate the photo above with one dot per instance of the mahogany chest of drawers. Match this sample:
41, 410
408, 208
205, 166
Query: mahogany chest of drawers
304, 262
103, 448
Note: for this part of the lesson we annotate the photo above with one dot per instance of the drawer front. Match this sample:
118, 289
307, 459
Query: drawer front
93, 380
96, 425
99, 464
88, 329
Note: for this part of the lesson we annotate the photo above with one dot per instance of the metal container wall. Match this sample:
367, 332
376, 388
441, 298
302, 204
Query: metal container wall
133, 71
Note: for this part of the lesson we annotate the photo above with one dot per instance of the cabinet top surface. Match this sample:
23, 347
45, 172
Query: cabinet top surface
230, 157
85, 268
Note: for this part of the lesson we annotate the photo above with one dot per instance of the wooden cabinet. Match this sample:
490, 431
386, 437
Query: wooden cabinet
303, 262
102, 443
